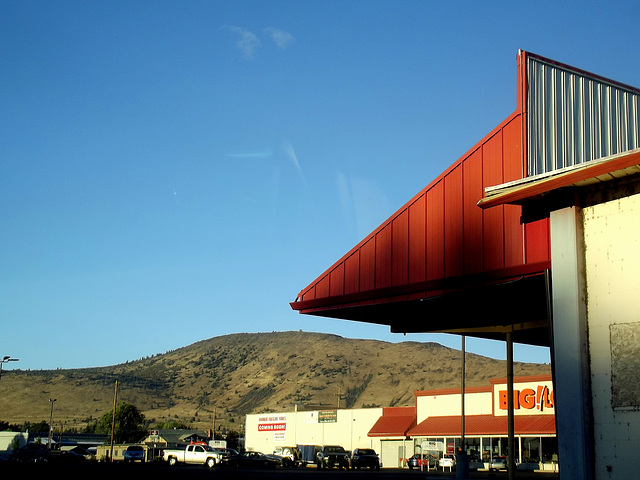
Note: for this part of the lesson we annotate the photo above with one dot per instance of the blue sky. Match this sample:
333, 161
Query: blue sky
172, 171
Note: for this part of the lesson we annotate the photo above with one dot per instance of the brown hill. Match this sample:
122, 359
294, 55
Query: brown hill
244, 373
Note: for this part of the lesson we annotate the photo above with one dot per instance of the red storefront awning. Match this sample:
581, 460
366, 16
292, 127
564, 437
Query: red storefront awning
394, 422
489, 425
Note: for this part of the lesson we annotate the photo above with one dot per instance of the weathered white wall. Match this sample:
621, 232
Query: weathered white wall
7, 438
612, 254
570, 345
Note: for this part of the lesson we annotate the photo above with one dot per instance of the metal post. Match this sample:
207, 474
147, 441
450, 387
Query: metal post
462, 388
5, 359
462, 461
511, 420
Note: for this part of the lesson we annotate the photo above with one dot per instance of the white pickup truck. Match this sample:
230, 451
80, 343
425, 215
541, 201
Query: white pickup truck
200, 454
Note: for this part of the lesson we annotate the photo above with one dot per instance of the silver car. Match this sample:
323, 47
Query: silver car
447, 461
498, 463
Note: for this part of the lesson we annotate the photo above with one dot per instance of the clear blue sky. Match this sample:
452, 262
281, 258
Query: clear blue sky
172, 171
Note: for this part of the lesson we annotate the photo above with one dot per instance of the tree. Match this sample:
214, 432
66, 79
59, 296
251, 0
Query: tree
171, 425
232, 438
129, 424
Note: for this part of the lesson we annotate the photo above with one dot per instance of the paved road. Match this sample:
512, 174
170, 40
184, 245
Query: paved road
160, 471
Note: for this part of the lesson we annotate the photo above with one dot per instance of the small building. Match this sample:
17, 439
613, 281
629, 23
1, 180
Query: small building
104, 452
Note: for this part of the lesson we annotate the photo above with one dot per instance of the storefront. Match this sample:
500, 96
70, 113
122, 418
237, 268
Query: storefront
396, 433
485, 422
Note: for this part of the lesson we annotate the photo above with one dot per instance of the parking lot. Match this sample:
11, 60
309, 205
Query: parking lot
162, 471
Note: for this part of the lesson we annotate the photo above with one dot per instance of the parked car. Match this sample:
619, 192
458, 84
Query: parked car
31, 452
254, 460
447, 461
134, 453
193, 454
35, 452
365, 458
225, 454
498, 463
529, 464
426, 461
65, 456
331, 456
292, 457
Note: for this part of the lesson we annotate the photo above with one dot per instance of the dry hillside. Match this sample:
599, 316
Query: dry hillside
248, 373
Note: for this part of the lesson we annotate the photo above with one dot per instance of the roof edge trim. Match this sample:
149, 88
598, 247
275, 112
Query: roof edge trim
449, 283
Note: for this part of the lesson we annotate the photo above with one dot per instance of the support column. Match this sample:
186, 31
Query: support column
462, 460
511, 464
571, 349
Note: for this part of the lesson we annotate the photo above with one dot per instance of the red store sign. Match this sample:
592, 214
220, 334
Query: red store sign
272, 427
540, 399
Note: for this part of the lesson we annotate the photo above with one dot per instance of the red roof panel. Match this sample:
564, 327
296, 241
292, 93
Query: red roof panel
394, 422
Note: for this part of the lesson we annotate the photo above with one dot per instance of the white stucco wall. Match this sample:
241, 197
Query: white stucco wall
302, 428
450, 405
612, 255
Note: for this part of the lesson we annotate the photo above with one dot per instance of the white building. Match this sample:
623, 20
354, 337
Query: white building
396, 433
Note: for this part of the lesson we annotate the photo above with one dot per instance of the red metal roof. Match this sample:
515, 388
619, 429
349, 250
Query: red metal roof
484, 425
440, 243
394, 422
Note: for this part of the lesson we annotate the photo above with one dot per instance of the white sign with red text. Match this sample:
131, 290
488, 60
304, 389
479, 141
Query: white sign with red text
275, 423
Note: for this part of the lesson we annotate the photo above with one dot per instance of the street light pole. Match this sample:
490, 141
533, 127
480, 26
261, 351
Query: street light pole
52, 400
5, 359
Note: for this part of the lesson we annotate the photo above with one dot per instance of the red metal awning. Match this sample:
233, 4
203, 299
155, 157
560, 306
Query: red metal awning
394, 422
530, 425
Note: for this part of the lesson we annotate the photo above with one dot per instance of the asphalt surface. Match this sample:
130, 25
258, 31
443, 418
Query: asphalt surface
161, 471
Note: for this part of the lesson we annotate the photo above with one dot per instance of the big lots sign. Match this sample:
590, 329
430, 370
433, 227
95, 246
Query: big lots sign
531, 396
527, 399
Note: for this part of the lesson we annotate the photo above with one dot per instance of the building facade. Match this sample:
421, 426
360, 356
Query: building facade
396, 433
530, 237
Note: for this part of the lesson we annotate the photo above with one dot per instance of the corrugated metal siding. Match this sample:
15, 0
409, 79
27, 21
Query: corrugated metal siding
576, 117
441, 233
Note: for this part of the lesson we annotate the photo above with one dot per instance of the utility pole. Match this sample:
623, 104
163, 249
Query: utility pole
340, 397
50, 423
113, 420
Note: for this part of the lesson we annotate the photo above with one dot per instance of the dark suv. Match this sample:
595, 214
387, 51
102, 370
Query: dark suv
331, 456
134, 453
365, 457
